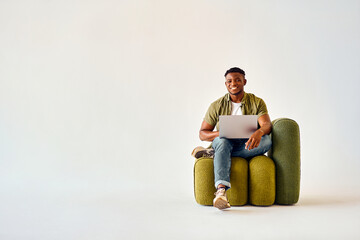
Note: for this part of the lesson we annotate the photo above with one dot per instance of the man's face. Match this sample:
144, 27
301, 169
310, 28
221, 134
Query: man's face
235, 83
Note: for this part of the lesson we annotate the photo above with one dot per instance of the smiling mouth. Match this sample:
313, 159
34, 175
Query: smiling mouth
235, 90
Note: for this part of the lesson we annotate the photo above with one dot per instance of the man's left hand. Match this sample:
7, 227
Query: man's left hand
254, 140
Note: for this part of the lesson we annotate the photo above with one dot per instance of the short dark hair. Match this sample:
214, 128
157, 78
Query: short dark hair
233, 70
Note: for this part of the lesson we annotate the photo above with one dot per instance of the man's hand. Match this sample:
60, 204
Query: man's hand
265, 128
254, 140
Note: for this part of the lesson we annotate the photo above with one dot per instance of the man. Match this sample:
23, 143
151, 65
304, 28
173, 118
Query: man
235, 102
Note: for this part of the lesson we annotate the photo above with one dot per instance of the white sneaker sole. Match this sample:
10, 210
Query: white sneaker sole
221, 203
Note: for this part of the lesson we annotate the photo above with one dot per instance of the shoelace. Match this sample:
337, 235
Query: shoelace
220, 191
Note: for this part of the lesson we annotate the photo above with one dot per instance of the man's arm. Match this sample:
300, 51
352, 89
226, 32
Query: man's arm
265, 128
206, 132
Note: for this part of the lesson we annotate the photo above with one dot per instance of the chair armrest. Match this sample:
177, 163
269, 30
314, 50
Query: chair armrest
285, 152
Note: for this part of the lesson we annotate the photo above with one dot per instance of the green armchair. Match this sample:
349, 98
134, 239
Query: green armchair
263, 180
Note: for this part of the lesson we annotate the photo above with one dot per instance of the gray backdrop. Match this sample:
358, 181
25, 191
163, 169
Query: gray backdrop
102, 96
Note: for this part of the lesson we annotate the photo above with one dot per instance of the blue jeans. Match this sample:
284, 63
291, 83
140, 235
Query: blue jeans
227, 148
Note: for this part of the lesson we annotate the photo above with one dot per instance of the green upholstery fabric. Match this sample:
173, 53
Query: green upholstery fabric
285, 153
204, 188
261, 181
285, 156
238, 193
204, 181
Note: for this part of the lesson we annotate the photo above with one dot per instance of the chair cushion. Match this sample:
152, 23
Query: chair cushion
204, 187
261, 181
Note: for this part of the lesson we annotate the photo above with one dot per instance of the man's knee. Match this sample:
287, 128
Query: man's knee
266, 142
221, 143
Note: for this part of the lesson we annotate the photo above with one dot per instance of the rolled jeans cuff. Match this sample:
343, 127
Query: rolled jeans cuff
223, 182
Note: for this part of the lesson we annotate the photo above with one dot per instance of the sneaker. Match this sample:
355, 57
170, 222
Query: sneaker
221, 201
200, 152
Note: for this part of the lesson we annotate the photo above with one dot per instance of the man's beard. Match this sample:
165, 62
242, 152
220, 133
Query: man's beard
235, 94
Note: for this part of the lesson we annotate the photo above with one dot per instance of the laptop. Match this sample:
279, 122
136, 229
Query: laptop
237, 126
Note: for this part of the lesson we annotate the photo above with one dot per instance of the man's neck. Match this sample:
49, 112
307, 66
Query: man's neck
237, 98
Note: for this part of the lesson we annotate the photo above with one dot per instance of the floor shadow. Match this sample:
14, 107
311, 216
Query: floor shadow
245, 209
237, 210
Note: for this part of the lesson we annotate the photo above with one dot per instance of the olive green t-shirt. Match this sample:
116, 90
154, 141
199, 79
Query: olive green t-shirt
251, 105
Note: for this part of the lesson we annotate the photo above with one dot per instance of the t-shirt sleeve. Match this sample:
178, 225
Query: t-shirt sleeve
211, 116
262, 109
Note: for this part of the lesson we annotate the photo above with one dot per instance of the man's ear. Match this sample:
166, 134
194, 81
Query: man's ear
245, 81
